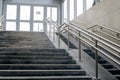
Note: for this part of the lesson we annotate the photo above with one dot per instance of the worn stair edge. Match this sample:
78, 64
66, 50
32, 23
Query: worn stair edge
50, 78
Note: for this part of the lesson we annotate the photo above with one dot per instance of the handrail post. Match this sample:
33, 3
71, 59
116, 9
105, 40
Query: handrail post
79, 47
96, 61
68, 39
58, 38
53, 33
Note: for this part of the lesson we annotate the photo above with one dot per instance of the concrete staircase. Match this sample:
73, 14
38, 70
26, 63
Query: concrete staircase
104, 63
32, 56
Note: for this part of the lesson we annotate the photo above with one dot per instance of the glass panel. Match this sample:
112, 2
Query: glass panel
71, 9
48, 12
10, 26
24, 26
38, 27
38, 13
48, 27
79, 7
65, 9
54, 14
24, 12
11, 11
89, 3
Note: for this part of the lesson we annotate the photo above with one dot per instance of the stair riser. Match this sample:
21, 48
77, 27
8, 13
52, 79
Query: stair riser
42, 54
33, 50
55, 67
49, 79
118, 78
102, 62
37, 62
115, 72
43, 73
36, 58
108, 66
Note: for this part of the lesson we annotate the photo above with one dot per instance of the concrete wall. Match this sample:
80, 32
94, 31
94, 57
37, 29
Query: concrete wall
106, 13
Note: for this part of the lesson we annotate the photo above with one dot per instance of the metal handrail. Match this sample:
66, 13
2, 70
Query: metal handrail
102, 27
1, 18
94, 47
72, 28
109, 35
100, 37
58, 26
108, 45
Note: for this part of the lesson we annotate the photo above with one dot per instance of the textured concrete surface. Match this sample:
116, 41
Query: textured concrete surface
25, 40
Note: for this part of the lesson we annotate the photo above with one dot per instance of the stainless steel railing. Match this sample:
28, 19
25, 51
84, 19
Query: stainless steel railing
117, 33
91, 39
1, 22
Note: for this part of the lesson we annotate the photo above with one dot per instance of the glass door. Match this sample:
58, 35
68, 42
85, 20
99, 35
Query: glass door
11, 15
52, 13
25, 18
38, 17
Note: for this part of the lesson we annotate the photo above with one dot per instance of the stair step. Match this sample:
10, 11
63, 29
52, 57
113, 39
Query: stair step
28, 52
108, 66
39, 66
102, 61
87, 50
39, 54
114, 71
48, 78
42, 73
117, 76
9, 61
33, 57
32, 50
92, 54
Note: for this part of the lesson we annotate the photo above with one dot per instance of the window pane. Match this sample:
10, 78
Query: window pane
79, 7
11, 26
54, 14
89, 3
38, 13
11, 11
38, 27
71, 9
48, 27
65, 9
24, 12
24, 26
48, 12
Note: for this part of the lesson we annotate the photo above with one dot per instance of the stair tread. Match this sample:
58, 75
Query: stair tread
32, 56
37, 77
39, 70
37, 64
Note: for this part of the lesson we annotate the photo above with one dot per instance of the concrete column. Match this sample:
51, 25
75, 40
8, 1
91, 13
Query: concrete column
45, 15
1, 6
84, 5
31, 18
75, 8
68, 9
18, 18
61, 13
